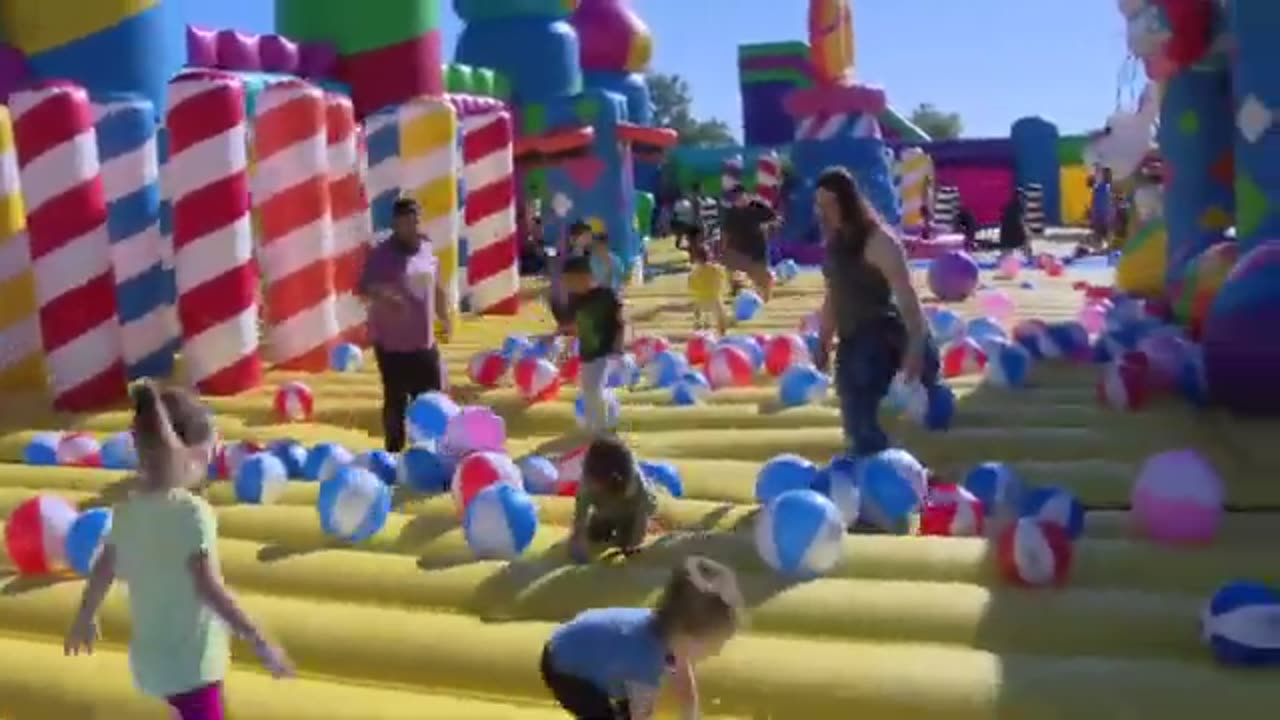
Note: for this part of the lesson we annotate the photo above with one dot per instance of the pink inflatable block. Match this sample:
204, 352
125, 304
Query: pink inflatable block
835, 100
13, 69
202, 47
317, 60
278, 54
238, 51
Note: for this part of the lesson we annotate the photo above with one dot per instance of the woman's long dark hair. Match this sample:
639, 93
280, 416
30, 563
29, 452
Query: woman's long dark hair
858, 221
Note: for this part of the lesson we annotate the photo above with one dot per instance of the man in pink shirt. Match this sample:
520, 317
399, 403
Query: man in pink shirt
399, 285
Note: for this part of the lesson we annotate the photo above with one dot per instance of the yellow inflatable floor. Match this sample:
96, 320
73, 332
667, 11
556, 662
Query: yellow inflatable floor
408, 625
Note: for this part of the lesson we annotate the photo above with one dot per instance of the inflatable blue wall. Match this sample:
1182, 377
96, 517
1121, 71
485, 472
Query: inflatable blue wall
1255, 25
869, 160
1035, 151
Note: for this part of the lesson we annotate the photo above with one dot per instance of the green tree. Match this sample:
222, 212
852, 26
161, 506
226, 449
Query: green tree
938, 124
673, 108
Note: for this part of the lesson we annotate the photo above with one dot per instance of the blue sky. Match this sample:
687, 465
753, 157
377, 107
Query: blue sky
992, 61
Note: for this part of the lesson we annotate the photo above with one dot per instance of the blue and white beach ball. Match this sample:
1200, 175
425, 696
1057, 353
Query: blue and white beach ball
800, 534
324, 460
515, 347
998, 487
786, 271
541, 476
750, 346
893, 484
664, 475
428, 416
1241, 624
346, 357
803, 384
42, 449
612, 410
1008, 365
666, 368
689, 391
119, 452
746, 305
1055, 505
932, 408
985, 331
260, 479
946, 324
624, 371
424, 469
844, 490
353, 504
784, 473
85, 537
500, 522
292, 454
381, 463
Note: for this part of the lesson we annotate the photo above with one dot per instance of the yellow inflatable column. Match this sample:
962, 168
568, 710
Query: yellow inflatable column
915, 168
21, 350
429, 172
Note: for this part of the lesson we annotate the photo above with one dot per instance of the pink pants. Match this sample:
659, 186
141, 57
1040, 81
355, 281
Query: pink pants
200, 704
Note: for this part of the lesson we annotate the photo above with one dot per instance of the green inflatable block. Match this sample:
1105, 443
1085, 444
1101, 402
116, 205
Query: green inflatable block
352, 29
482, 82
501, 86
1251, 205
587, 109
1189, 122
469, 11
457, 79
644, 213
534, 119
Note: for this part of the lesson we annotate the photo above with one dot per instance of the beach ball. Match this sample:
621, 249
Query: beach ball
346, 357
893, 484
381, 463
1093, 317
353, 504
931, 407
1109, 346
986, 330
486, 368
803, 384
698, 349
800, 534
479, 470
729, 366
664, 475
1054, 505
569, 465
1192, 384
35, 534
227, 457
42, 449
783, 473
1125, 313
746, 305
952, 511
781, 352
622, 371
424, 469
690, 390
1028, 334
1202, 279
666, 368
571, 369
996, 304
1167, 353
294, 402
963, 357
500, 522
473, 429
119, 452
1034, 553
953, 276
944, 323
997, 487
1008, 365
292, 454
1008, 267
1122, 383
811, 323
751, 346
85, 539
540, 475
1066, 341
786, 271
77, 449
612, 410
1241, 624
324, 461
839, 481
428, 416
261, 479
645, 347
537, 379
899, 395
515, 346
1178, 498
1053, 267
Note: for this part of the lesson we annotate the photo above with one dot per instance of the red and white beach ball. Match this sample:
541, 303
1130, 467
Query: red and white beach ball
486, 368
729, 366
963, 357
810, 323
537, 379
79, 449
1034, 553
953, 511
478, 471
570, 369
1123, 383
699, 347
228, 457
294, 402
569, 470
35, 534
783, 351
646, 347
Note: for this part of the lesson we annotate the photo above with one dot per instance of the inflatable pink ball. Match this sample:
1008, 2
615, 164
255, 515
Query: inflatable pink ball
475, 429
1178, 498
953, 276
238, 51
997, 304
278, 54
1009, 267
1093, 317
1167, 354
202, 47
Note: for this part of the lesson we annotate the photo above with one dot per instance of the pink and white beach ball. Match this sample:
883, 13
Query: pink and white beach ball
1178, 498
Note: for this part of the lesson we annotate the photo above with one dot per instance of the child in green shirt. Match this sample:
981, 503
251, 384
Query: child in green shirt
615, 501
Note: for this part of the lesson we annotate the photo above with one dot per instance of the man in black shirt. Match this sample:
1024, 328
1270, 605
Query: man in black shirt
746, 242
600, 327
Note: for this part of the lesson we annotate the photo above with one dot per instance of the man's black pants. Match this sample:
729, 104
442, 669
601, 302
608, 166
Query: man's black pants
405, 375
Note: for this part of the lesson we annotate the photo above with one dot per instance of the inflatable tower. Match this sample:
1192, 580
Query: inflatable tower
768, 73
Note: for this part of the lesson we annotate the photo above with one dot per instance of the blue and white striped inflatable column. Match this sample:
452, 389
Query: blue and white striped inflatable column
382, 139
126, 130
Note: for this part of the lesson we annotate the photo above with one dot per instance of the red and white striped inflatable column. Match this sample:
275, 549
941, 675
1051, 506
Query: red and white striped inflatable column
730, 173
769, 177
493, 273
352, 231
214, 267
291, 193
53, 126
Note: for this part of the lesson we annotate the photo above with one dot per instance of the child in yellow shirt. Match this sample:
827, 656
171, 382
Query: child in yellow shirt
707, 281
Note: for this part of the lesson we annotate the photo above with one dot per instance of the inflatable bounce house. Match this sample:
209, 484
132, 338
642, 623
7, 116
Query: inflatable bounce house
172, 188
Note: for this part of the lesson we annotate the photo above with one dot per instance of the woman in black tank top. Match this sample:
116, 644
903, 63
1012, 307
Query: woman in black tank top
871, 305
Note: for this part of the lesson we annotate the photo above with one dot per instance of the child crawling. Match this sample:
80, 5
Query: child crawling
615, 501
610, 663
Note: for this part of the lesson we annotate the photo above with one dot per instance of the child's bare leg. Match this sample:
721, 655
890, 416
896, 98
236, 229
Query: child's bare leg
722, 318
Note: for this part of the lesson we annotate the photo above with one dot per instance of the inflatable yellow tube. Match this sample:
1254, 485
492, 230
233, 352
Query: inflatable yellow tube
1143, 259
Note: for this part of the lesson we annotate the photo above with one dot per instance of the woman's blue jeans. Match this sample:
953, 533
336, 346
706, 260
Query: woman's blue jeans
865, 366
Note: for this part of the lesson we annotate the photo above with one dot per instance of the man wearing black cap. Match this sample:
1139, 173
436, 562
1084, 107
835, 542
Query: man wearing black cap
746, 243
399, 285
